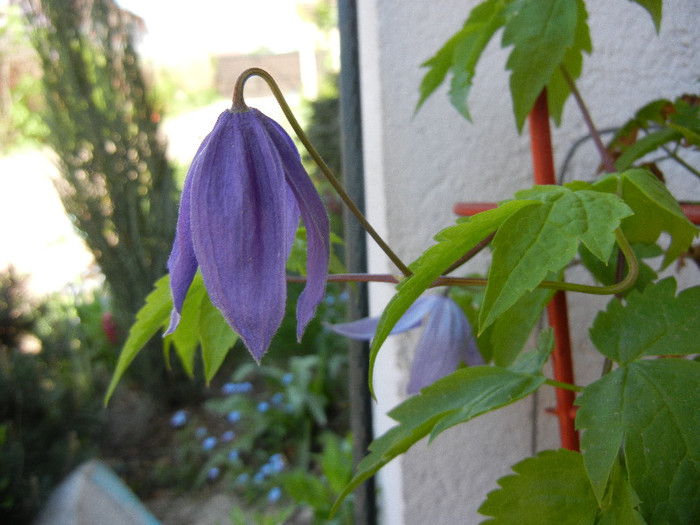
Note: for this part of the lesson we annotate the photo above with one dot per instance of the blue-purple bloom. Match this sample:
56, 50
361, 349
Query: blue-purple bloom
209, 443
274, 495
241, 202
446, 339
213, 473
179, 419
233, 417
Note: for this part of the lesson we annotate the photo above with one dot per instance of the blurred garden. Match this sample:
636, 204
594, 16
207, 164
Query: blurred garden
272, 439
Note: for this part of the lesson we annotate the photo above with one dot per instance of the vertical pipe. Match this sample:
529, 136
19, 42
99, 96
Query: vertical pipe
365, 510
543, 165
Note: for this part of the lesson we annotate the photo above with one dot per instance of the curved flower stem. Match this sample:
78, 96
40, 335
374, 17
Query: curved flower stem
240, 105
619, 287
605, 156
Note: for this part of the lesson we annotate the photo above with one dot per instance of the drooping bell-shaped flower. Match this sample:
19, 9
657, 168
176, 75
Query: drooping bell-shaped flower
240, 207
446, 339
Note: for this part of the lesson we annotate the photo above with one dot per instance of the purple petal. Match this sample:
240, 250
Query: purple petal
364, 329
182, 263
240, 227
315, 218
446, 335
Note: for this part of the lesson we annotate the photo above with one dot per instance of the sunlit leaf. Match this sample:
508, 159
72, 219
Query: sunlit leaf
216, 337
153, 316
541, 34
655, 211
558, 89
185, 339
461, 53
538, 241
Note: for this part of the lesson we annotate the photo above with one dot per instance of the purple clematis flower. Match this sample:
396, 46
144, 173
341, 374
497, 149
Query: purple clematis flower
446, 339
242, 199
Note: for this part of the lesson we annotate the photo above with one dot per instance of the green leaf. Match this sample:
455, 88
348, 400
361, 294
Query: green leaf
620, 506
649, 143
558, 89
654, 9
216, 337
461, 53
185, 338
651, 409
541, 34
549, 488
152, 317
503, 340
541, 240
533, 361
686, 120
655, 211
453, 242
456, 398
653, 322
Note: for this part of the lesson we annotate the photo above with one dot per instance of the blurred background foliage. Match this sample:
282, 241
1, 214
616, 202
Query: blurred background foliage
83, 93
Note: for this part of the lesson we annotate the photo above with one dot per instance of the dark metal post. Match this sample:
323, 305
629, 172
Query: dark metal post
355, 244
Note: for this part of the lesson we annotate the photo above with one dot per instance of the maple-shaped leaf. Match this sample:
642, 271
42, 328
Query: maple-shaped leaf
558, 89
551, 487
653, 322
655, 211
650, 410
461, 53
541, 34
538, 241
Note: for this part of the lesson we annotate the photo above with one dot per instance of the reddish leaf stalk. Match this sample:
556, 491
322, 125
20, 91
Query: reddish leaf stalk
543, 165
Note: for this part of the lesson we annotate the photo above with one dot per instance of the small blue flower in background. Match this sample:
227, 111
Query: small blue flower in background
243, 479
213, 473
236, 388
209, 443
240, 207
200, 432
259, 477
287, 378
233, 417
263, 407
179, 419
277, 398
446, 339
233, 456
229, 388
228, 436
274, 495
276, 462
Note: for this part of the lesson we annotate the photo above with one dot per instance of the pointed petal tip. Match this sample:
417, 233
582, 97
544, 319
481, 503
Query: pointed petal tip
174, 322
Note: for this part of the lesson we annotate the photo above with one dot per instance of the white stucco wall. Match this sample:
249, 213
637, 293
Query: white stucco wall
418, 166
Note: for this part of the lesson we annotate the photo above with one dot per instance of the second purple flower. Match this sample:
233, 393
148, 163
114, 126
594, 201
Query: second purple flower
241, 202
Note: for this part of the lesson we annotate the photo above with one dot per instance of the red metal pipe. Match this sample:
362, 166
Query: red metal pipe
692, 211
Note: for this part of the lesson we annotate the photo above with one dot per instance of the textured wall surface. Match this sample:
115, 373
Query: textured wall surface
419, 165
